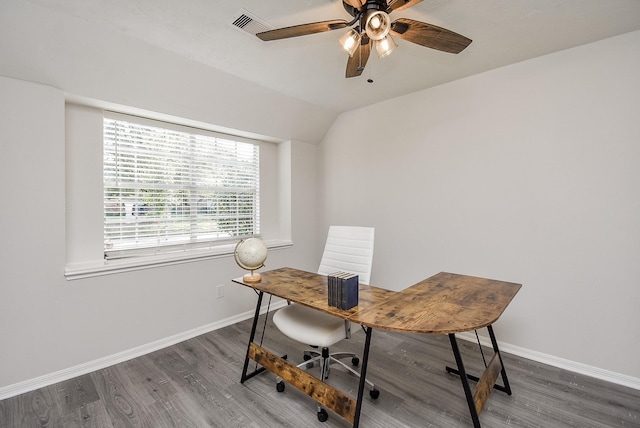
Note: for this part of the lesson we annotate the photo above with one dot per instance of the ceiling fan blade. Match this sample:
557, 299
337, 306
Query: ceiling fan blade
302, 30
357, 62
401, 4
356, 4
428, 35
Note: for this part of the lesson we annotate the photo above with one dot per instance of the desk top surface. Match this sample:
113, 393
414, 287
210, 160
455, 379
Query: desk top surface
310, 289
444, 303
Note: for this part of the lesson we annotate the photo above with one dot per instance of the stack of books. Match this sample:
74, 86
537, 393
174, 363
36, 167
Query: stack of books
343, 290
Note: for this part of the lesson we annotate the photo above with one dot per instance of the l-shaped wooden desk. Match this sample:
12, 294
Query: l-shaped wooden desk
445, 303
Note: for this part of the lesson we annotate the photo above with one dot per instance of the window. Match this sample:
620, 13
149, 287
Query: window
171, 188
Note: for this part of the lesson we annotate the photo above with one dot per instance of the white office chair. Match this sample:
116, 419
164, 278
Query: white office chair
348, 249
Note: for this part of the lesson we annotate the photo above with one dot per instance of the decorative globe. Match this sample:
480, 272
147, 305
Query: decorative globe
250, 255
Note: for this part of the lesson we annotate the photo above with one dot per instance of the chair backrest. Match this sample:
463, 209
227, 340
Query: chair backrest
348, 249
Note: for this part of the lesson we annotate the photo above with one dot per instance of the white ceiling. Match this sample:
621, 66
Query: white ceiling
312, 67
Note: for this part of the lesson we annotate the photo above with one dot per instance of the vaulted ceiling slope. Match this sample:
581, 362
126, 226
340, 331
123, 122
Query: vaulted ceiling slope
312, 67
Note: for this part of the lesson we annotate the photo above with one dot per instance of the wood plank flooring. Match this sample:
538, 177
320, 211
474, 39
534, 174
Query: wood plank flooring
196, 383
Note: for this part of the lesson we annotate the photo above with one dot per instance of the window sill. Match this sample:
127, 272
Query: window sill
75, 271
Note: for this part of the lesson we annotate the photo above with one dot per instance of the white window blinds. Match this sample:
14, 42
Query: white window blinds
171, 190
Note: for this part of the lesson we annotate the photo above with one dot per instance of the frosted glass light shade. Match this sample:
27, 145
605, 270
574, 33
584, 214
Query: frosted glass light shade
350, 41
385, 46
377, 25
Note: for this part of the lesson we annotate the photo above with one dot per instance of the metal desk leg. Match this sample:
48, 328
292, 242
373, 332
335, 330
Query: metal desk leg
246, 376
363, 375
505, 382
506, 388
465, 382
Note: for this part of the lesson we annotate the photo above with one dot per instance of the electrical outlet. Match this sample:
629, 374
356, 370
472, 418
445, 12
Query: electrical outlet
219, 291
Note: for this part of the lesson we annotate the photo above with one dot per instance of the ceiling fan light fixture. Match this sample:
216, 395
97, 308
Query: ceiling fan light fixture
377, 25
385, 46
350, 41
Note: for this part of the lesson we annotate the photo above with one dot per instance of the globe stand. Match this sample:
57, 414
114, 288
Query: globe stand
252, 278
250, 255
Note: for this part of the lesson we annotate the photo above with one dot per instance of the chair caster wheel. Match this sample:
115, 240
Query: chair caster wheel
374, 393
280, 386
355, 361
307, 357
323, 415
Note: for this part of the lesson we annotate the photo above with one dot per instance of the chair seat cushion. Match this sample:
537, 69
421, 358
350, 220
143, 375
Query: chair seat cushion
309, 326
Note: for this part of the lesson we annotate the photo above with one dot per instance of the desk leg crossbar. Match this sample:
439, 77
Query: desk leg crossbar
486, 383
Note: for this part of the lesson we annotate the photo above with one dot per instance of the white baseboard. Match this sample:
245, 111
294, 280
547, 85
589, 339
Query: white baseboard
561, 363
101, 363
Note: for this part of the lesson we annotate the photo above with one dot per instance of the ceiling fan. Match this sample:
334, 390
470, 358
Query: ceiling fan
371, 26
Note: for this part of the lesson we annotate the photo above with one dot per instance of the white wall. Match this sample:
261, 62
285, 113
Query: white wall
49, 325
32, 230
528, 174
84, 60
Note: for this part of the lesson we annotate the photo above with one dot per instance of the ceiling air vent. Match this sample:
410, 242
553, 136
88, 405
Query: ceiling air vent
249, 23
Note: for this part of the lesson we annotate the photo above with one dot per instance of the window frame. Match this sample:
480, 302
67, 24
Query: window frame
166, 135
84, 234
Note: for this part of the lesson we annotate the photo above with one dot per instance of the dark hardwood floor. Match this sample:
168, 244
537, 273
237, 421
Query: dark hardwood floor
196, 384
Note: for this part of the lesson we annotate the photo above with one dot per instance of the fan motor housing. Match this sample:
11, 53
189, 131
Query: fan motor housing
369, 5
